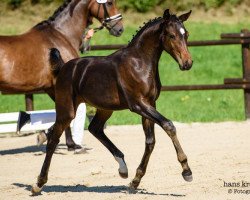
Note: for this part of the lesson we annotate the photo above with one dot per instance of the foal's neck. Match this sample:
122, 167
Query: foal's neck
148, 44
72, 21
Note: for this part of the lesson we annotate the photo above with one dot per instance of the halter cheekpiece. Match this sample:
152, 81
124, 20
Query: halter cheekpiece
107, 18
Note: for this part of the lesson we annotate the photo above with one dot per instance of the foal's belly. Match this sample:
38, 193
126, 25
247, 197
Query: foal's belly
104, 97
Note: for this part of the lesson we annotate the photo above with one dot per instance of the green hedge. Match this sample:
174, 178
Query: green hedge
146, 5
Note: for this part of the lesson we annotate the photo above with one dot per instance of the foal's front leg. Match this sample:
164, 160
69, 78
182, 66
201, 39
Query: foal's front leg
96, 128
148, 127
149, 112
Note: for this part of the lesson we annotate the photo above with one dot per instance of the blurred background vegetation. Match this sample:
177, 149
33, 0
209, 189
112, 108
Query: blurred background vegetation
146, 5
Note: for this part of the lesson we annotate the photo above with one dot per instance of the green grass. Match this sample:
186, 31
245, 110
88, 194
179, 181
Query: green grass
211, 66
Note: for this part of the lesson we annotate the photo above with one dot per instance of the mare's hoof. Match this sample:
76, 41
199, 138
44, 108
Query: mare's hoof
123, 175
41, 138
36, 190
187, 175
74, 147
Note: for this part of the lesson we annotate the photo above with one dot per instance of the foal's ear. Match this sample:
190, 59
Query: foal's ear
185, 16
166, 14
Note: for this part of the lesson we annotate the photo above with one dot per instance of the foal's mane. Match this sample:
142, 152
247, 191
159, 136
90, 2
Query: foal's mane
150, 23
146, 26
58, 11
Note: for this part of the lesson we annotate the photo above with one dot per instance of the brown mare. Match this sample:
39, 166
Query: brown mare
24, 63
127, 79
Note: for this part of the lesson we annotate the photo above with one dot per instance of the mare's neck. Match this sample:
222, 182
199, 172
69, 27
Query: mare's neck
72, 21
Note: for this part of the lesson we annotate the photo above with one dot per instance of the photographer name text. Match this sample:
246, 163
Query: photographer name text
241, 187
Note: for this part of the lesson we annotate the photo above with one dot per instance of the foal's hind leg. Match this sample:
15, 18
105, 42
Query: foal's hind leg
96, 128
149, 112
68, 135
148, 127
65, 114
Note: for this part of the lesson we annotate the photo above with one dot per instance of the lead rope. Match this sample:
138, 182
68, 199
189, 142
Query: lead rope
85, 46
106, 16
86, 39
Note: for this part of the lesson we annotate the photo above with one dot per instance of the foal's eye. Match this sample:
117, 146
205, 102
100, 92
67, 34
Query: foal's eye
172, 36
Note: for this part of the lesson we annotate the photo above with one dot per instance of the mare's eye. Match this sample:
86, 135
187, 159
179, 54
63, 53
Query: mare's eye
110, 3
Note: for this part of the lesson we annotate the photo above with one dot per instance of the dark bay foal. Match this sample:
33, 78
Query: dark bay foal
127, 79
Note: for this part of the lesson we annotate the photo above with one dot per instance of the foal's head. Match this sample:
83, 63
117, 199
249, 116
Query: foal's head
175, 37
107, 13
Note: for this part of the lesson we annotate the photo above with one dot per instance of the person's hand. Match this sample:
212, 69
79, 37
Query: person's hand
89, 34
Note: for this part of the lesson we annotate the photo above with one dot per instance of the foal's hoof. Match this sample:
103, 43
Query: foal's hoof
187, 175
123, 175
131, 189
36, 190
123, 170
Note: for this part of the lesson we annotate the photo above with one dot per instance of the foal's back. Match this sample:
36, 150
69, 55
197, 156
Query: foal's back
95, 80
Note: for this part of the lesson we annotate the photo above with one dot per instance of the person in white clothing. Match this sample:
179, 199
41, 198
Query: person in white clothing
78, 124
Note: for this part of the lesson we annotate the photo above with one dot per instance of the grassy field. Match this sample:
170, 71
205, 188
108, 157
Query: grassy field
211, 66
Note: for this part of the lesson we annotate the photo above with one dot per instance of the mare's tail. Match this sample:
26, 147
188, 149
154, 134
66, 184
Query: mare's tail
56, 61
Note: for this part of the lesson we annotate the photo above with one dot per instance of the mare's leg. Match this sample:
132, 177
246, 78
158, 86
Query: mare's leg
68, 135
65, 114
149, 112
148, 127
96, 128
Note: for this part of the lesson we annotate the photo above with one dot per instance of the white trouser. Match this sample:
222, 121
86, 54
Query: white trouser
78, 124
50, 116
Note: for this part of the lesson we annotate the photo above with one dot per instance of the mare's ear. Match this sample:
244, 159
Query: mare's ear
166, 14
185, 16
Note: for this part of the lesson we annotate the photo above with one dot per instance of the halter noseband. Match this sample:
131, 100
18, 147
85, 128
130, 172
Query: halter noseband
107, 19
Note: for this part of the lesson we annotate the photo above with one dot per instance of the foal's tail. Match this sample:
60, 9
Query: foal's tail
56, 61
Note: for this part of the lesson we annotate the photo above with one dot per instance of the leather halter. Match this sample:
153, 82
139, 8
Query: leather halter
107, 18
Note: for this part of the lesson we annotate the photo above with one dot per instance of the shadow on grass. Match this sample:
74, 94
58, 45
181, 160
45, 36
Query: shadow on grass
94, 189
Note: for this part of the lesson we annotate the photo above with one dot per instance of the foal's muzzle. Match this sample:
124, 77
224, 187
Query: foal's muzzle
187, 65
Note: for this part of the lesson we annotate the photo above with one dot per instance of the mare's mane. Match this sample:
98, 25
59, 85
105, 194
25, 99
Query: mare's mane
58, 11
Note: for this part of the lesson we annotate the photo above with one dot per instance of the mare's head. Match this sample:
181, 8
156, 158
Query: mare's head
174, 39
107, 13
